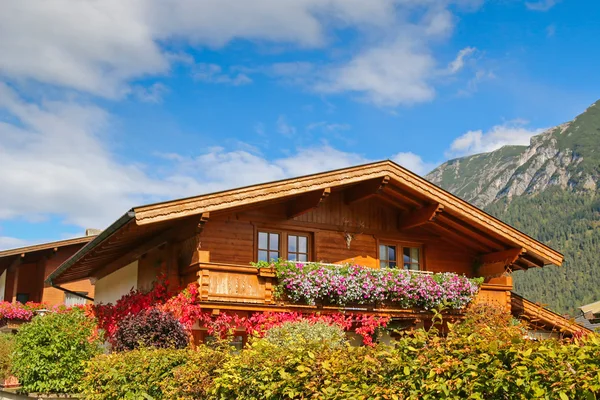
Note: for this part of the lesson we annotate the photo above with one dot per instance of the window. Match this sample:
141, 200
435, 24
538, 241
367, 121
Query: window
289, 246
387, 256
409, 258
297, 248
23, 297
268, 246
74, 300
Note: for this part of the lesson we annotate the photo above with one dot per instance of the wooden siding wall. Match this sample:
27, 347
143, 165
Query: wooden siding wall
53, 296
373, 213
231, 238
160, 260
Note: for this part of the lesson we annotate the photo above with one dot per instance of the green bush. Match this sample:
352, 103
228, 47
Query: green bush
485, 357
7, 346
306, 334
51, 351
151, 373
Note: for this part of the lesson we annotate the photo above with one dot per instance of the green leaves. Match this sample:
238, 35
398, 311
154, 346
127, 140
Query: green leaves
51, 350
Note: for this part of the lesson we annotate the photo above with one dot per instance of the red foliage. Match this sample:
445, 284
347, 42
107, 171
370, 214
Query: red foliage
186, 307
109, 315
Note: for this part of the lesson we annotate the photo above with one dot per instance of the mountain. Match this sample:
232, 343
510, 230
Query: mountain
549, 191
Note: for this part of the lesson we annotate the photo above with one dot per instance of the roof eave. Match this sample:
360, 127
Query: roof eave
105, 234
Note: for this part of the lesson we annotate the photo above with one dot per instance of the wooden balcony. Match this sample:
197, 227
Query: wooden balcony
245, 288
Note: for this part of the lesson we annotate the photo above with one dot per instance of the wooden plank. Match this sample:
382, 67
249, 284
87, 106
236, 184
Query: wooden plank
402, 195
365, 190
307, 202
507, 257
452, 236
420, 216
471, 231
133, 255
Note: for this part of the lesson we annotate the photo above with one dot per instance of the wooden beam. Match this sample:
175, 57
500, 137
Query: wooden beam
393, 201
534, 261
307, 202
202, 220
470, 231
132, 255
404, 196
507, 257
365, 190
449, 235
420, 216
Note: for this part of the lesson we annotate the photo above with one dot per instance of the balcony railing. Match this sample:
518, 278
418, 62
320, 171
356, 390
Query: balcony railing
242, 287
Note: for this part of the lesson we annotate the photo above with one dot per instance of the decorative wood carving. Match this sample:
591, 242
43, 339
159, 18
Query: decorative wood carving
307, 202
365, 190
350, 231
507, 257
420, 216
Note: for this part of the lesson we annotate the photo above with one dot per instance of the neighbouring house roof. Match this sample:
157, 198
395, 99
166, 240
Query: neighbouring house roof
593, 308
583, 321
590, 315
36, 250
450, 216
539, 316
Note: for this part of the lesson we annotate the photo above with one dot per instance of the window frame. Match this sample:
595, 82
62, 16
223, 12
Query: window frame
283, 241
400, 246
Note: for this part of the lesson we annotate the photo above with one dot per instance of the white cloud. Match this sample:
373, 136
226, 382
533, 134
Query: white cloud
510, 133
386, 76
414, 163
213, 73
151, 94
7, 242
541, 5
56, 163
284, 127
459, 62
100, 47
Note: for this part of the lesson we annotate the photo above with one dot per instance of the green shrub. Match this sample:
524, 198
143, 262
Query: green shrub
151, 373
51, 351
485, 357
7, 346
194, 379
306, 334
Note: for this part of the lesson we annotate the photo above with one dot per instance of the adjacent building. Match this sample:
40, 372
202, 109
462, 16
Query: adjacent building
23, 272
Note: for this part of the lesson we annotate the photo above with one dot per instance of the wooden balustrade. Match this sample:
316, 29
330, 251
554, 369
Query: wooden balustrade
231, 286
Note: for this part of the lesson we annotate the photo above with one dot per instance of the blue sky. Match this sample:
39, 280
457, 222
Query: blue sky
108, 105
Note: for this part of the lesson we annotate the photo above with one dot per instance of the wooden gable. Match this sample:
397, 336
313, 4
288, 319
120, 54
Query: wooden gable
374, 203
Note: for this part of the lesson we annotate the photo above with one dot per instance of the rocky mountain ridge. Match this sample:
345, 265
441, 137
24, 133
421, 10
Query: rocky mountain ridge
565, 156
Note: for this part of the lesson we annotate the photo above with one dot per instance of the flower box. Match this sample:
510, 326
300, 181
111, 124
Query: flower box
365, 288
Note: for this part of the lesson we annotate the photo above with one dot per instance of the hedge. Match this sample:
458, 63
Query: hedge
488, 356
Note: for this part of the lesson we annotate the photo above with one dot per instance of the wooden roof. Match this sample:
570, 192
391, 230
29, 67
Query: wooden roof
594, 308
36, 250
449, 215
539, 316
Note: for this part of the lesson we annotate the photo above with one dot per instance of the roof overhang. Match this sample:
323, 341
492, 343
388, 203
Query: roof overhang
540, 316
34, 252
499, 242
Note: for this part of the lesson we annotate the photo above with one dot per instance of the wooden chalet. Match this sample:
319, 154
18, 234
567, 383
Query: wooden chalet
377, 215
23, 272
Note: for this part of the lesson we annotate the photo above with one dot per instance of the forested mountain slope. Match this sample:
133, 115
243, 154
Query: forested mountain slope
549, 191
